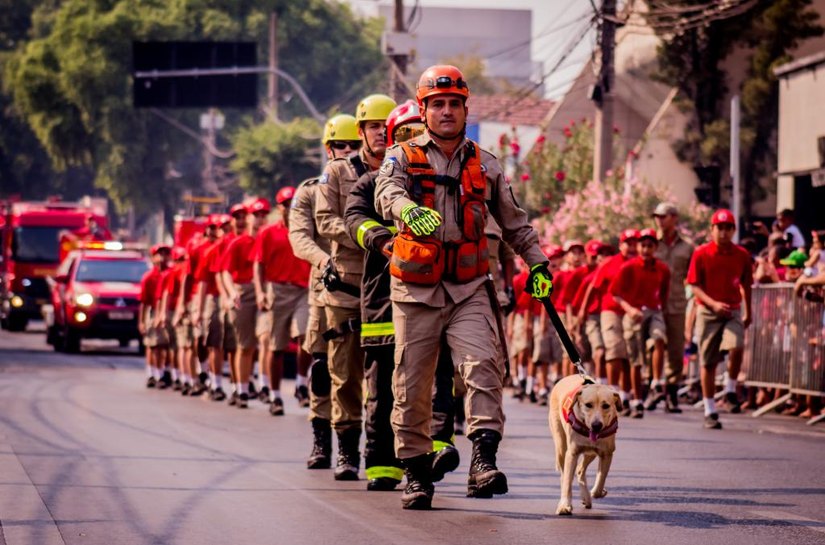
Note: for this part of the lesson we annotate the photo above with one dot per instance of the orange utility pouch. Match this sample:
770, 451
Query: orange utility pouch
426, 260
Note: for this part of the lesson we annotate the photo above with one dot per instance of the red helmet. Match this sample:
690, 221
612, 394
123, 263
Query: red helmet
285, 194
441, 79
258, 205
403, 114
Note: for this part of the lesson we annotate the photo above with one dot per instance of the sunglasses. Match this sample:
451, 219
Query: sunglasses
345, 144
446, 82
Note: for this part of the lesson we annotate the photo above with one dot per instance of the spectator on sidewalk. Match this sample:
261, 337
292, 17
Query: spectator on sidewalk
785, 222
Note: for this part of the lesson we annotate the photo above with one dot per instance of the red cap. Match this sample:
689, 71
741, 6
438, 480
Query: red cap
258, 205
628, 234
649, 233
236, 208
570, 244
178, 253
553, 251
723, 215
592, 247
285, 194
157, 248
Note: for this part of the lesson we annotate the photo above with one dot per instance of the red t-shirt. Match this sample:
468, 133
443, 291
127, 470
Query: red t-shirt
519, 283
204, 272
195, 251
160, 287
272, 248
560, 280
568, 293
642, 284
595, 305
720, 272
148, 287
220, 248
237, 259
172, 284
604, 276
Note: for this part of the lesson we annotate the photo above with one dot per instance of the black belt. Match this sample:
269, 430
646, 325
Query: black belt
352, 325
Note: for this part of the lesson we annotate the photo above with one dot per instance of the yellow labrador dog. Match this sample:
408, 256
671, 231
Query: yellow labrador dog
583, 420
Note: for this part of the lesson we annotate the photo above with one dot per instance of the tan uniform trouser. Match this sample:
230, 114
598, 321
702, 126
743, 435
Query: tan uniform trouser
319, 405
470, 329
675, 361
346, 369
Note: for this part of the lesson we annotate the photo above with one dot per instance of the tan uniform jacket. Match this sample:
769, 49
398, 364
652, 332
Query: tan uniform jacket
334, 187
677, 257
304, 238
391, 196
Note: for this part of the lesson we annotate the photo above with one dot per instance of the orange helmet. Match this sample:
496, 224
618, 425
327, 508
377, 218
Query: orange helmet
441, 79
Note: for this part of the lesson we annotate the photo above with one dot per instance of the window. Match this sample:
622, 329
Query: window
36, 244
120, 270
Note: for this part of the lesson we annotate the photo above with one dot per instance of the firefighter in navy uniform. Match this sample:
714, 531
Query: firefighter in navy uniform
440, 188
342, 278
374, 235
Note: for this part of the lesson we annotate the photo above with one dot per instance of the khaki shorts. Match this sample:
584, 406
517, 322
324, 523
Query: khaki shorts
636, 334
615, 347
316, 325
593, 332
170, 333
519, 341
156, 337
211, 322
184, 332
547, 347
243, 318
717, 334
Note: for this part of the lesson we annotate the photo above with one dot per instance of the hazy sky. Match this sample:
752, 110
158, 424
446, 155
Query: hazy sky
556, 23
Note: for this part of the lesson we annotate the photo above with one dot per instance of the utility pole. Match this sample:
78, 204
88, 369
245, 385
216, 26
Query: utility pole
735, 164
272, 87
603, 94
399, 70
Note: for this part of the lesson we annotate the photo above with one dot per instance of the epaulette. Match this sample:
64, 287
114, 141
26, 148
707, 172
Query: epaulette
309, 181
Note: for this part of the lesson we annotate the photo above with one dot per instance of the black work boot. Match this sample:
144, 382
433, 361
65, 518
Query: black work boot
418, 494
349, 457
672, 399
321, 455
485, 479
445, 461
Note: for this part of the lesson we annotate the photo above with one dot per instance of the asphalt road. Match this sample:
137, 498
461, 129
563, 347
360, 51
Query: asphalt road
88, 455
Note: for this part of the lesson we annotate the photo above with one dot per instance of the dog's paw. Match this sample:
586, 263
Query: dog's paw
599, 493
564, 509
588, 504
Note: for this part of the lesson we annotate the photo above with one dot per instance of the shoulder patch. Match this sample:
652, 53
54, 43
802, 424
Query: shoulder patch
323, 179
388, 166
483, 167
309, 181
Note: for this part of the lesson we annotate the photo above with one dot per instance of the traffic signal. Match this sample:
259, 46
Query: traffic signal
219, 91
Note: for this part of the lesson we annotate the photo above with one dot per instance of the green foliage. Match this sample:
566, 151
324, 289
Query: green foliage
71, 82
692, 61
270, 156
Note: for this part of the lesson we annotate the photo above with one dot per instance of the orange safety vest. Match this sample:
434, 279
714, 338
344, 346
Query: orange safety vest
426, 260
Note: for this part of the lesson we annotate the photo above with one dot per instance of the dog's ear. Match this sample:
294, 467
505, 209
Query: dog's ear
617, 399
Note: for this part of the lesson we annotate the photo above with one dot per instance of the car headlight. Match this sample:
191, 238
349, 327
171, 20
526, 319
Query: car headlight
16, 301
84, 299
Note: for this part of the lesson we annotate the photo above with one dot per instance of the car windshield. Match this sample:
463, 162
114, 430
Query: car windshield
36, 244
116, 270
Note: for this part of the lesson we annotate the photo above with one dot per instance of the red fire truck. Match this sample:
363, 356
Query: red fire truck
30, 234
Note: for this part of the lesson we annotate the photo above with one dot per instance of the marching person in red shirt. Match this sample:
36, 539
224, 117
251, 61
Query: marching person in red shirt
207, 308
615, 347
573, 258
580, 318
641, 288
281, 283
547, 347
168, 294
721, 275
520, 330
237, 275
153, 339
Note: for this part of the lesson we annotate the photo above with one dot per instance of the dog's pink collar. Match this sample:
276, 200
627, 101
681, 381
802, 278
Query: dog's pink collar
579, 426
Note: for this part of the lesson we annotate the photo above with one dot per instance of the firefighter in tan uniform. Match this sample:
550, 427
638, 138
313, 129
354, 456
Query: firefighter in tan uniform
342, 280
439, 188
340, 139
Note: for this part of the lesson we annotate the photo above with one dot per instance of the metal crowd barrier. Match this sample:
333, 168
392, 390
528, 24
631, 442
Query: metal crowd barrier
785, 345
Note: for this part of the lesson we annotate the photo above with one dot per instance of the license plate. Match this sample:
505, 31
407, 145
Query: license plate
121, 315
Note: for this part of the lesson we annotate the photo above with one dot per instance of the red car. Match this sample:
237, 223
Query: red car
95, 296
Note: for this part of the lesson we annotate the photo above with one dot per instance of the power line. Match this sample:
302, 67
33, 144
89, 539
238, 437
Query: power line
542, 34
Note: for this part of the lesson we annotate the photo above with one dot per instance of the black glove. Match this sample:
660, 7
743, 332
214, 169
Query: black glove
511, 300
330, 277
